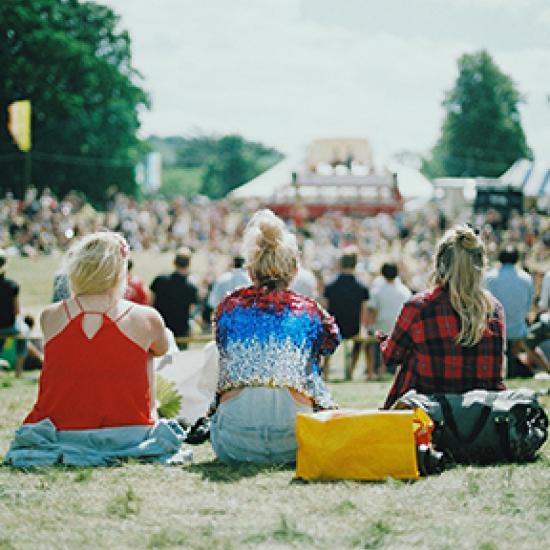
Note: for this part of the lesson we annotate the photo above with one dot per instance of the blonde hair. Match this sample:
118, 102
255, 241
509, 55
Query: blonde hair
460, 261
270, 250
98, 263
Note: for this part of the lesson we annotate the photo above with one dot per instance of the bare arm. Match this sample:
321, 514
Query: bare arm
52, 320
159, 341
364, 314
372, 315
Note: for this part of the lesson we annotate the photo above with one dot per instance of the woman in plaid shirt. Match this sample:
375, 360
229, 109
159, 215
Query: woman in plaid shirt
450, 338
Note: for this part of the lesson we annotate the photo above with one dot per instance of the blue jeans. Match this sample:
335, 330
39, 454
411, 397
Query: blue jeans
258, 425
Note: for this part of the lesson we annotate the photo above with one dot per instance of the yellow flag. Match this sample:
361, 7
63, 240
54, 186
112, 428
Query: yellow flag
19, 123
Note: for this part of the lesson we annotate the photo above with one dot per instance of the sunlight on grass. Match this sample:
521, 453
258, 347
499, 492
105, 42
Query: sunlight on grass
83, 475
372, 536
285, 532
345, 507
125, 505
167, 538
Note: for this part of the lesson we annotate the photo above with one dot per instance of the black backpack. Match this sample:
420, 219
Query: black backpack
484, 427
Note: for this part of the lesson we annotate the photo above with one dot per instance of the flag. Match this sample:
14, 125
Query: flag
19, 123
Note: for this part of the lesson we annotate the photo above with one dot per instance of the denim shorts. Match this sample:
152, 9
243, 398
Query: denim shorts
258, 425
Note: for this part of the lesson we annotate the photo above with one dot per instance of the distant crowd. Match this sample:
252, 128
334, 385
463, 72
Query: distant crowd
45, 224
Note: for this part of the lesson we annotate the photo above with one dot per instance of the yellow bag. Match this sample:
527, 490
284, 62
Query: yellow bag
359, 444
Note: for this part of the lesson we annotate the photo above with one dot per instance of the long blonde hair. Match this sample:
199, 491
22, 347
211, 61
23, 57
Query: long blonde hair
98, 263
270, 250
460, 261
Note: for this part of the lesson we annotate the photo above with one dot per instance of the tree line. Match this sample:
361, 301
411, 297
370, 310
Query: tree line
210, 165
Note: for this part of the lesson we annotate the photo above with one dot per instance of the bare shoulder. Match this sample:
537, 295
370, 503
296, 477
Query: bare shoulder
146, 314
53, 319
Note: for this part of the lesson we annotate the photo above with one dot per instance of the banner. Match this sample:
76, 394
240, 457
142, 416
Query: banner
19, 123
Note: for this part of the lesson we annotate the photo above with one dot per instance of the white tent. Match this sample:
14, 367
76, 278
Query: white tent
532, 177
412, 184
267, 183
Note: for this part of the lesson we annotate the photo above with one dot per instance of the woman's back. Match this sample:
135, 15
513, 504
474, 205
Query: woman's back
449, 339
93, 379
273, 338
96, 387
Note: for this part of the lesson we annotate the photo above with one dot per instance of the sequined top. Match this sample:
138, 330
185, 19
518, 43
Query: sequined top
274, 338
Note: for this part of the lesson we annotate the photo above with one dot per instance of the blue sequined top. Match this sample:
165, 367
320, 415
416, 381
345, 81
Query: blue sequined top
274, 338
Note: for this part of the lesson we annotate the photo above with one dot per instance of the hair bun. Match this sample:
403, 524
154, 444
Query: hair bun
467, 238
270, 235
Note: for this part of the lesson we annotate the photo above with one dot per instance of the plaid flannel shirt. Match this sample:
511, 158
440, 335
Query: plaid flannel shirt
422, 346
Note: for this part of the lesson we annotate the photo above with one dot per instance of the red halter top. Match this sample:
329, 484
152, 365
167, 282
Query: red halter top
96, 382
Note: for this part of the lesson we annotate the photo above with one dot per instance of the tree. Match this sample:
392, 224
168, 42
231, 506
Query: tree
228, 170
70, 60
482, 132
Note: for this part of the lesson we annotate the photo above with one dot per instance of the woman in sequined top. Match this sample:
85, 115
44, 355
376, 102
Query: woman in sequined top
269, 340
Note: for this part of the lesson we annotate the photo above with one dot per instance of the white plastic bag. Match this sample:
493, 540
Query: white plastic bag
195, 374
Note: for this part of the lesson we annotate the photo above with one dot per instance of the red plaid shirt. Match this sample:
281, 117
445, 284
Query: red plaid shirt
422, 346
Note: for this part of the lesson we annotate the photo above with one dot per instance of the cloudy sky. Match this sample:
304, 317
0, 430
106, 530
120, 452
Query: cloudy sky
286, 71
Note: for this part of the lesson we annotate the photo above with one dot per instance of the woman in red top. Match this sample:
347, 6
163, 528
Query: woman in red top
450, 338
96, 374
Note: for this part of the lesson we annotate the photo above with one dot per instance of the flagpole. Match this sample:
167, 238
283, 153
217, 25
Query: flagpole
27, 173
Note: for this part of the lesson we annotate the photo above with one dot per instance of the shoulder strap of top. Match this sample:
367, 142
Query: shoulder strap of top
78, 303
66, 308
123, 313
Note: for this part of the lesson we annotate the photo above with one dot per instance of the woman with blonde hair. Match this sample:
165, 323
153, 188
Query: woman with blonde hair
450, 338
96, 393
269, 341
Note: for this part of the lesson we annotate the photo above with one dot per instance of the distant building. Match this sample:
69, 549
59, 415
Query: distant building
338, 174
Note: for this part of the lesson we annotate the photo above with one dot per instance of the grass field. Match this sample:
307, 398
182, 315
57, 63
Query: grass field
207, 505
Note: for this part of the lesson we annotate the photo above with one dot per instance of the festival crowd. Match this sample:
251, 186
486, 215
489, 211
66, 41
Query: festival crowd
442, 324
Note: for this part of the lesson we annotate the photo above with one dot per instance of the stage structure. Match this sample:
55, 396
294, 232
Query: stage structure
338, 175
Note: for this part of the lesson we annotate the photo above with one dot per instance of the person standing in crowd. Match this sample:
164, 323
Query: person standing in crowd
61, 290
305, 283
347, 299
449, 338
174, 296
135, 288
10, 324
269, 340
514, 289
96, 399
384, 305
228, 281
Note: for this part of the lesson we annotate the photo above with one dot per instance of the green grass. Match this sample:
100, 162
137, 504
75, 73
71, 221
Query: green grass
207, 505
